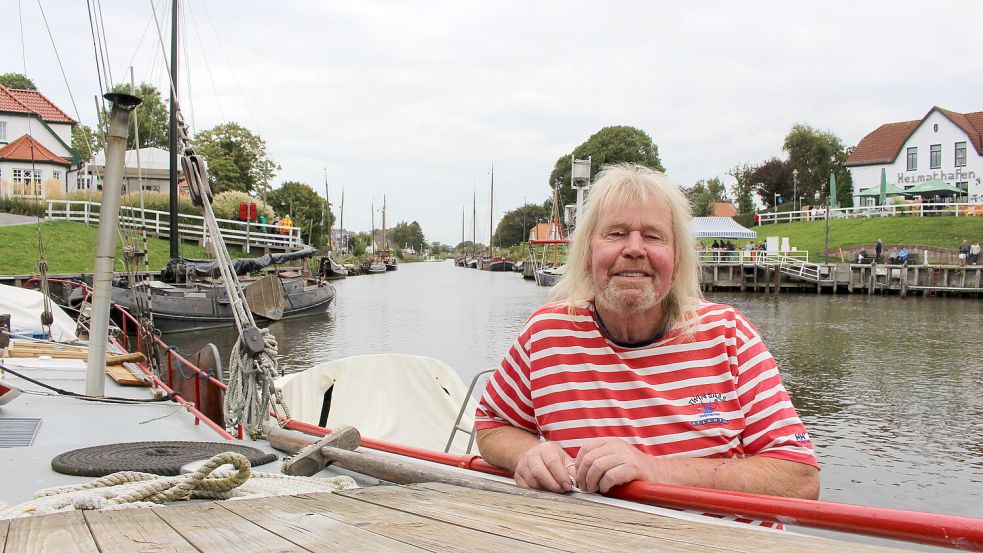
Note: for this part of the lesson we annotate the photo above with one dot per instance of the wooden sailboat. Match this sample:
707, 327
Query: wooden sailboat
492, 262
387, 254
550, 271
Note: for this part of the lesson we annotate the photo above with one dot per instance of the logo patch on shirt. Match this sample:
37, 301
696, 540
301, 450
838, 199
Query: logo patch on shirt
708, 410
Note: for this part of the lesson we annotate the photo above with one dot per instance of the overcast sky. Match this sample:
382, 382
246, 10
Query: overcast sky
415, 100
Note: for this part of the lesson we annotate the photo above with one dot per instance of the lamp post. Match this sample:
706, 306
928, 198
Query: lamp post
795, 182
829, 206
579, 180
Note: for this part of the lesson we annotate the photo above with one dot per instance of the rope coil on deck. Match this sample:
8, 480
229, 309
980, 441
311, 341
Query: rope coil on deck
130, 489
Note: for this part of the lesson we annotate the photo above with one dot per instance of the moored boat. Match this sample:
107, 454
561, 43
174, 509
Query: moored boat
331, 270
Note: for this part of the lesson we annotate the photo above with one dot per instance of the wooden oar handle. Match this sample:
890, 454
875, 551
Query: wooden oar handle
136, 357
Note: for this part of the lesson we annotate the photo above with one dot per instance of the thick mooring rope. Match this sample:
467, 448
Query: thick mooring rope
130, 489
251, 386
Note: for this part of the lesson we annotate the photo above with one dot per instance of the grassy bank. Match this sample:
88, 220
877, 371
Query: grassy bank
940, 232
70, 248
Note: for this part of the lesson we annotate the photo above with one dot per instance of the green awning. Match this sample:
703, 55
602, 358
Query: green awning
934, 186
875, 192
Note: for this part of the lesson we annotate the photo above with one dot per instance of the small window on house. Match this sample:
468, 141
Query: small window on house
935, 156
913, 159
56, 175
960, 154
18, 175
3, 131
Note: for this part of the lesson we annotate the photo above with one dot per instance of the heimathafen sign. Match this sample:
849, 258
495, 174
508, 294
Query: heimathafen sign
957, 176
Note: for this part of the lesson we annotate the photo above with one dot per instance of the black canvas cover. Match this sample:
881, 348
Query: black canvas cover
181, 268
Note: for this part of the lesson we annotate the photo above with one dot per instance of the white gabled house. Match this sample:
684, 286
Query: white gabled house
36, 159
149, 166
943, 145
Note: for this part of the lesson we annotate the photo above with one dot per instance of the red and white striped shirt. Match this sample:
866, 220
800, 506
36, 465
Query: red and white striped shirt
718, 394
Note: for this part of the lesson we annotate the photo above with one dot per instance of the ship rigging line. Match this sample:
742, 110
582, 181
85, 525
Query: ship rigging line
107, 399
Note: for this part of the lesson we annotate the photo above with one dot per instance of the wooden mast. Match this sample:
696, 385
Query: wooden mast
491, 214
327, 208
474, 222
385, 246
555, 231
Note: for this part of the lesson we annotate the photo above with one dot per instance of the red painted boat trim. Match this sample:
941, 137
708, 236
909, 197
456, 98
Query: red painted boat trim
928, 528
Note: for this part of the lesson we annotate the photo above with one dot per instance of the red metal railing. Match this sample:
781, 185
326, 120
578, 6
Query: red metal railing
928, 528
172, 355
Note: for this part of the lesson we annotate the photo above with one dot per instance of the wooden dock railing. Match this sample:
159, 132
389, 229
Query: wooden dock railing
190, 227
874, 211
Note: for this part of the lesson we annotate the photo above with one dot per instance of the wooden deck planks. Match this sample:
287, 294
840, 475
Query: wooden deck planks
129, 530
480, 511
209, 527
419, 531
613, 523
431, 517
52, 533
292, 519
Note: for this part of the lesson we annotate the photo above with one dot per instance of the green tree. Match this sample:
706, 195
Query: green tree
153, 117
18, 81
439, 248
406, 234
814, 154
772, 177
237, 159
85, 141
743, 189
704, 194
619, 144
466, 246
515, 224
305, 208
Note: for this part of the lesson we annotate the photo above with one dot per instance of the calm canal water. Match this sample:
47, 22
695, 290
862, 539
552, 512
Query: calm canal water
889, 389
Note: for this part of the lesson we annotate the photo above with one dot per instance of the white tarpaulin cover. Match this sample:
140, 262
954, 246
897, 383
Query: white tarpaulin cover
719, 227
25, 307
405, 399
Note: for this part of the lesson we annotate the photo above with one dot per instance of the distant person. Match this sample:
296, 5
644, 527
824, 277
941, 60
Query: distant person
861, 255
974, 253
892, 257
262, 222
963, 253
903, 256
715, 245
878, 250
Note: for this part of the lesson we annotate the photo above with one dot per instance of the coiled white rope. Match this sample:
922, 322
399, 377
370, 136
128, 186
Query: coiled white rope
129, 489
251, 386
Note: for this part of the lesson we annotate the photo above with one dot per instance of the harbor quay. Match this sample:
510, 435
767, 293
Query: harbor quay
776, 274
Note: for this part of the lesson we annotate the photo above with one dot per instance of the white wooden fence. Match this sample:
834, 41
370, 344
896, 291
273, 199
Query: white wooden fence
745, 256
869, 212
190, 227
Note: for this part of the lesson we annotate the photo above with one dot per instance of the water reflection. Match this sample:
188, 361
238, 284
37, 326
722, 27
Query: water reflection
889, 388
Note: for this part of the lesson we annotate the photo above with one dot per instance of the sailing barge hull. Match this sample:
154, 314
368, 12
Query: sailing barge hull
181, 309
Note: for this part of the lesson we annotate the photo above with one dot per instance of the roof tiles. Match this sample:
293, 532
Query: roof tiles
884, 144
26, 148
32, 101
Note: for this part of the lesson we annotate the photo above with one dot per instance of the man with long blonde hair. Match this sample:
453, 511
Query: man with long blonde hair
632, 375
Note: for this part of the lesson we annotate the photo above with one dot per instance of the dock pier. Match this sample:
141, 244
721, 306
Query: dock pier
778, 273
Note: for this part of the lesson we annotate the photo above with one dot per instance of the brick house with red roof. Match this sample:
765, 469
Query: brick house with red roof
943, 145
36, 158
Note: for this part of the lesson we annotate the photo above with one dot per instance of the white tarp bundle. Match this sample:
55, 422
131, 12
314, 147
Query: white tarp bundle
25, 307
405, 399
